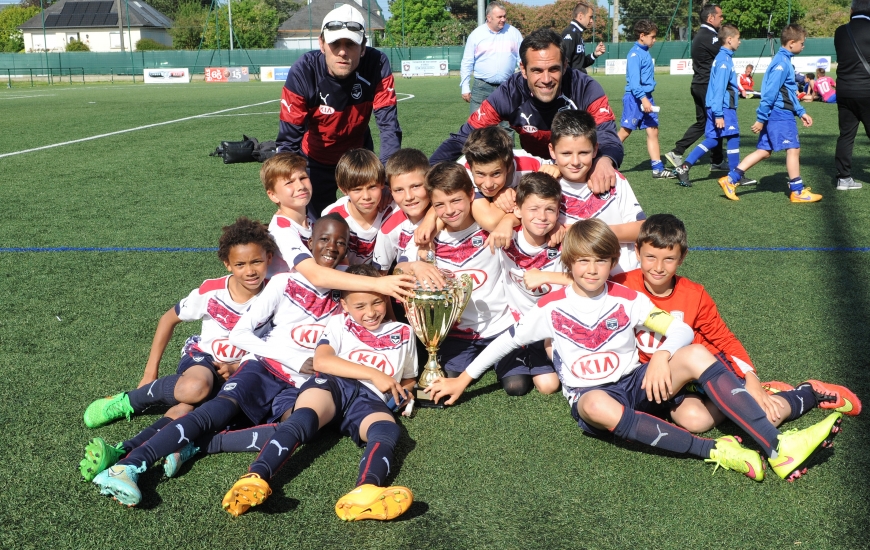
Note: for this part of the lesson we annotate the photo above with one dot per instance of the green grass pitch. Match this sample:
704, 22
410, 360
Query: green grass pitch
493, 472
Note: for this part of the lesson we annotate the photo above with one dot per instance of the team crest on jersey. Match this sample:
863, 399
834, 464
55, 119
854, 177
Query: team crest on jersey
356, 91
336, 295
611, 324
460, 253
476, 241
552, 253
377, 342
396, 338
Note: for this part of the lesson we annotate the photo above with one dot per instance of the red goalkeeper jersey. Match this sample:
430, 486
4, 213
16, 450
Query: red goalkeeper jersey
690, 303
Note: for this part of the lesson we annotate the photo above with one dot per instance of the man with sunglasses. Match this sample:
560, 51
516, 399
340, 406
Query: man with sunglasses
329, 97
572, 38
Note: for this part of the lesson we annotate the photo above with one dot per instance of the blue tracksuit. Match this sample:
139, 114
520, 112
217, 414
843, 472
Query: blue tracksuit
722, 92
779, 89
640, 73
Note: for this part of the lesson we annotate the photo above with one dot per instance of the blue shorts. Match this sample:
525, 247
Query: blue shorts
354, 401
455, 354
832, 99
532, 360
633, 117
780, 132
261, 395
731, 128
628, 393
197, 358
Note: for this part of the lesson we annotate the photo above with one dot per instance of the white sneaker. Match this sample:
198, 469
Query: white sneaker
675, 159
848, 184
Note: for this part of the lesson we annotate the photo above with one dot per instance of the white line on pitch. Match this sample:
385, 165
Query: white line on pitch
243, 114
135, 129
410, 96
27, 96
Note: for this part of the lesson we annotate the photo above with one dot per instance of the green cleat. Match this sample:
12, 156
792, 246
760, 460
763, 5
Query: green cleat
103, 411
99, 455
729, 454
174, 461
795, 446
119, 482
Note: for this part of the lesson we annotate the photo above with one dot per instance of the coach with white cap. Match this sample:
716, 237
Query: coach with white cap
329, 97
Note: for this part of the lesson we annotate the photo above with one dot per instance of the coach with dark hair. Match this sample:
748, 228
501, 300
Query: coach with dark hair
705, 48
572, 38
530, 99
852, 42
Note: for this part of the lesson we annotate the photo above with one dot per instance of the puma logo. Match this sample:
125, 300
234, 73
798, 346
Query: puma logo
181, 431
253, 444
280, 448
661, 435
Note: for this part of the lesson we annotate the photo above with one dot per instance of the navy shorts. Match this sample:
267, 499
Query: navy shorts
197, 358
779, 133
628, 393
633, 117
532, 360
457, 353
261, 395
731, 128
354, 401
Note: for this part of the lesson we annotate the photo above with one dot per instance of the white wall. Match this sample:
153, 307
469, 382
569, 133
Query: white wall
98, 40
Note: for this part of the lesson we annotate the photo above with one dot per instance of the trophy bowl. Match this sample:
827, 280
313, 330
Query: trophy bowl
432, 312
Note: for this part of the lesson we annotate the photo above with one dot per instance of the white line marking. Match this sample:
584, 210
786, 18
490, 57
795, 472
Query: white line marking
244, 114
27, 96
135, 129
410, 96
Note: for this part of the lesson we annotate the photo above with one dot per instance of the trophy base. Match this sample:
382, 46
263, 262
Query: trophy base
424, 400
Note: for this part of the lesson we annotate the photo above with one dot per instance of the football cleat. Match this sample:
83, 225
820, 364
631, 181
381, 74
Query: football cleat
719, 167
728, 188
250, 490
795, 446
372, 502
774, 387
119, 482
99, 455
804, 196
663, 174
682, 172
675, 159
173, 462
729, 454
746, 181
833, 396
103, 411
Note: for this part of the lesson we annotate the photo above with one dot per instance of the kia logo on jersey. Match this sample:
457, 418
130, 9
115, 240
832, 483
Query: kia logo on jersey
326, 110
372, 359
306, 336
222, 350
536, 292
595, 366
478, 277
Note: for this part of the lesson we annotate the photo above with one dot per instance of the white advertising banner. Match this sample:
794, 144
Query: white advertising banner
274, 74
427, 67
803, 64
166, 76
617, 66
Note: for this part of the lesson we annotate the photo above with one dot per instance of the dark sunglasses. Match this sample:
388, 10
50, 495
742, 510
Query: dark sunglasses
349, 25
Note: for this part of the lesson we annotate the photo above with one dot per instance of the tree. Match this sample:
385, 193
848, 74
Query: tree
822, 17
661, 12
753, 16
170, 8
188, 25
424, 22
11, 39
557, 16
255, 25
77, 46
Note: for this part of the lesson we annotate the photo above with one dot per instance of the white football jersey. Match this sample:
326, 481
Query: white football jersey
292, 240
390, 349
519, 257
298, 311
213, 304
462, 252
524, 163
361, 245
392, 240
619, 205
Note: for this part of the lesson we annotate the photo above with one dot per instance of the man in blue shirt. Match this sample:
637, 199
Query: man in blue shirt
492, 53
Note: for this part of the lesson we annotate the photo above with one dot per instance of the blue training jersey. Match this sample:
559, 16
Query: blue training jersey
722, 90
640, 73
779, 89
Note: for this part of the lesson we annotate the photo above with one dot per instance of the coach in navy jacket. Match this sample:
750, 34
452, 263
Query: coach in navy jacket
329, 97
529, 100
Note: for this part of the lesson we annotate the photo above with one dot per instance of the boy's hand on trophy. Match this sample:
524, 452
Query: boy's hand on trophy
397, 286
428, 275
450, 388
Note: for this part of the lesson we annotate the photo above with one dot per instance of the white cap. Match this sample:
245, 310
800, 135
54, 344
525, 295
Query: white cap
344, 14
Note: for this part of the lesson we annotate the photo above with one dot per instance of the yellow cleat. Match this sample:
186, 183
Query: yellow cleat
796, 446
729, 454
805, 196
250, 490
728, 188
372, 502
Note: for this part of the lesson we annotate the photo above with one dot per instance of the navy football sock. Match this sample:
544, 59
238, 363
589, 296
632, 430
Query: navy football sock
210, 417
300, 428
247, 440
159, 392
729, 395
802, 400
733, 152
655, 432
145, 434
378, 454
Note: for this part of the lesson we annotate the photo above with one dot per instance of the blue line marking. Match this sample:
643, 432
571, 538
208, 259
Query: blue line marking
209, 249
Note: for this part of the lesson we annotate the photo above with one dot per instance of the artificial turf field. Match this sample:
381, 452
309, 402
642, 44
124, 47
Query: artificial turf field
493, 472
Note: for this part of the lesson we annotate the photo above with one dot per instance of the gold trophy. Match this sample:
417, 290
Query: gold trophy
432, 312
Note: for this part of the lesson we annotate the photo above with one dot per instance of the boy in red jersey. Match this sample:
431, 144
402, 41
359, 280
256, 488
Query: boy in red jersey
661, 248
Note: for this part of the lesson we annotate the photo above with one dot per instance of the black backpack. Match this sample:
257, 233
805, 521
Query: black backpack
247, 150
